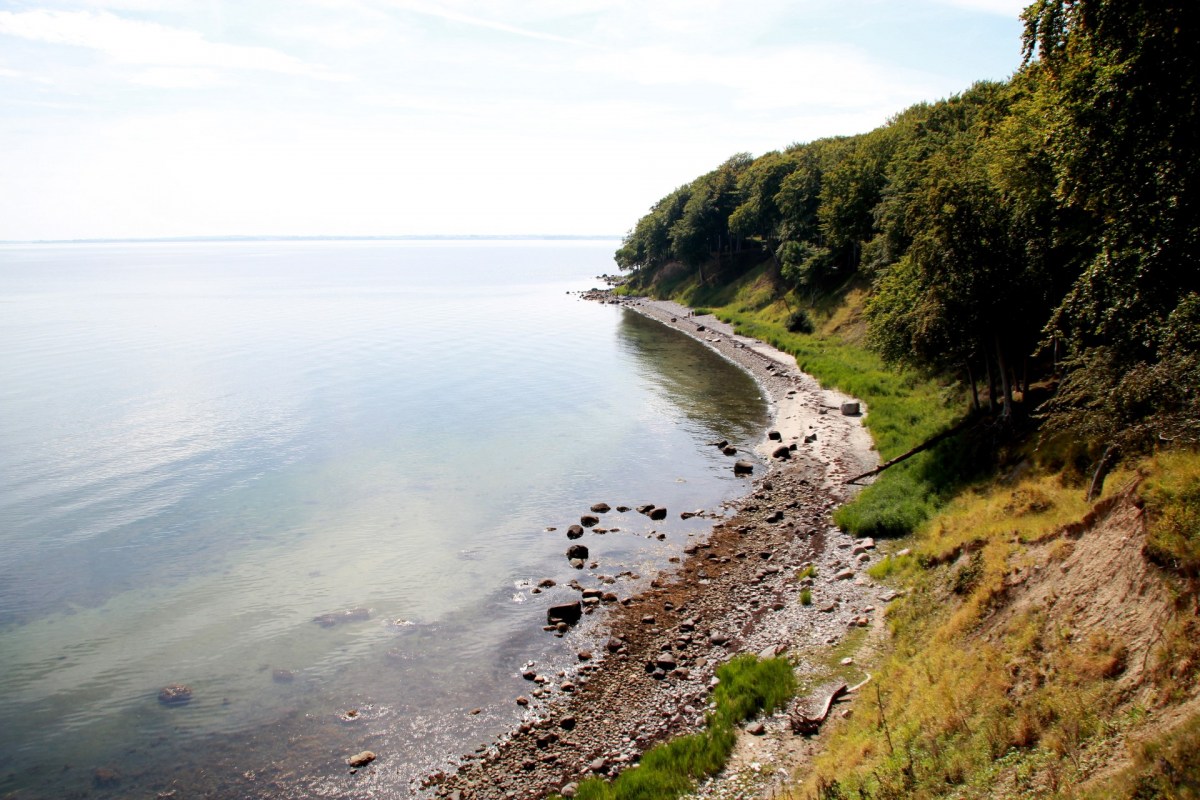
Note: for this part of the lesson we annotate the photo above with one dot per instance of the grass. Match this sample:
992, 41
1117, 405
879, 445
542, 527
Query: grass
1164, 767
748, 686
1022, 710
904, 409
1172, 494
806, 597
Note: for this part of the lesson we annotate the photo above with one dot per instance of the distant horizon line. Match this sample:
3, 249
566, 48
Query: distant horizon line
318, 238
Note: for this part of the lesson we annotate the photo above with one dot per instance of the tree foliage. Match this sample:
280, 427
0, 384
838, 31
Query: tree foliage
1041, 228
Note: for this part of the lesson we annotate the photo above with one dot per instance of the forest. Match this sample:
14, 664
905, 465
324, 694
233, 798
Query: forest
1029, 239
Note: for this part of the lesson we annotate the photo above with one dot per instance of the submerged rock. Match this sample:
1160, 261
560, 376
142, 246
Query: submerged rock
339, 617
176, 694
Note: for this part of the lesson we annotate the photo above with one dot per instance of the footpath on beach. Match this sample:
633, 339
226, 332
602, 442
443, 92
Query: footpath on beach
737, 591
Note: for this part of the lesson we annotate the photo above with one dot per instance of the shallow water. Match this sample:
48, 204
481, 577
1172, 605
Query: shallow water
206, 446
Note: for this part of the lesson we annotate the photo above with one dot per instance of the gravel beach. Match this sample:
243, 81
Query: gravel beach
646, 678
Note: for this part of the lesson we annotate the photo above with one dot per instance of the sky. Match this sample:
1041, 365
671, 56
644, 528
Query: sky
161, 118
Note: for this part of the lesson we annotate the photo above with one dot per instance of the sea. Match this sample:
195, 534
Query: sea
318, 484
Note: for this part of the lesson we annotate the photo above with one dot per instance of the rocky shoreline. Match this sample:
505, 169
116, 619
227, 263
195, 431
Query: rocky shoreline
737, 591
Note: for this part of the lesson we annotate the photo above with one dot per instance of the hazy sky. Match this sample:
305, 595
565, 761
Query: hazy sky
130, 118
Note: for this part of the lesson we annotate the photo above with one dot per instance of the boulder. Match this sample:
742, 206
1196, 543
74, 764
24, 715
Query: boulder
577, 551
658, 513
850, 409
743, 467
775, 436
588, 520
361, 759
729, 450
569, 613
574, 532
783, 452
645, 509
600, 508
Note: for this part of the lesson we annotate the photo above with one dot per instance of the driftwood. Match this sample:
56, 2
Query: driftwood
806, 725
928, 443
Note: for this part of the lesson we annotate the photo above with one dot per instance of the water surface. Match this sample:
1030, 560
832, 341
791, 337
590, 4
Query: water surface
206, 446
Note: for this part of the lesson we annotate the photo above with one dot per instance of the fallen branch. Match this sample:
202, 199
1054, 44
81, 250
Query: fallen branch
928, 443
806, 725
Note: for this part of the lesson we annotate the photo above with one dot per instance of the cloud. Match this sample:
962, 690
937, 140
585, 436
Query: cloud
836, 77
430, 10
1006, 8
134, 42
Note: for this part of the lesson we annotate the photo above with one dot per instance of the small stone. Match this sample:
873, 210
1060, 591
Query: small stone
361, 759
522, 701
588, 520
756, 729
658, 512
600, 508
575, 532
844, 575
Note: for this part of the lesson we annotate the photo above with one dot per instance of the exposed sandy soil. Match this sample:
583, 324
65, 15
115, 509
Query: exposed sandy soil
737, 591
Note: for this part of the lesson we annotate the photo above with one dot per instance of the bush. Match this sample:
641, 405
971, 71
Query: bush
747, 686
800, 322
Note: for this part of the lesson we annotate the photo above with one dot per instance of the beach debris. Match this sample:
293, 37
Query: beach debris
340, 617
361, 759
177, 694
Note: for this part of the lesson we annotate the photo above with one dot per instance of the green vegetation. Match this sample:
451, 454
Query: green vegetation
1015, 263
806, 597
979, 699
1162, 768
748, 686
1021, 240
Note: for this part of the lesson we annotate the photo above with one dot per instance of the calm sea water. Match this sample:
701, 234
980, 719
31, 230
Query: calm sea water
204, 447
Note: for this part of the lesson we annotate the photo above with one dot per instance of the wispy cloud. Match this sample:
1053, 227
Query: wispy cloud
135, 42
1005, 8
431, 10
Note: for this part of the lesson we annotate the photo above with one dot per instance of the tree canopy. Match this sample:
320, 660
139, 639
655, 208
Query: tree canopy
1040, 228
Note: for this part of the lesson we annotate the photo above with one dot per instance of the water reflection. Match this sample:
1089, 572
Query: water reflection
719, 397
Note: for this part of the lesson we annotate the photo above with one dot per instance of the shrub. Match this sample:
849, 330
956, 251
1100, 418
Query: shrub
799, 322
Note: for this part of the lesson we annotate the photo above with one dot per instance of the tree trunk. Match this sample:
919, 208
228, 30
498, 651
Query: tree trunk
991, 379
1005, 384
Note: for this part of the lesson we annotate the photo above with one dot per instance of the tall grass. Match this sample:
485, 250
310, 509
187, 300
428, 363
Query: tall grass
748, 686
904, 411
